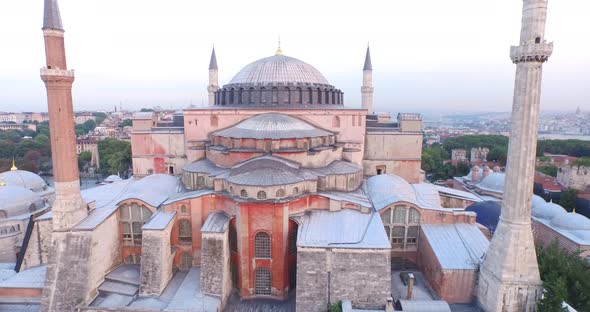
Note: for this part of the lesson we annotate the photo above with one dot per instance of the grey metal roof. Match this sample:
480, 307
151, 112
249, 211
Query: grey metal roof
51, 16
335, 167
346, 228
279, 69
213, 61
265, 177
187, 195
30, 278
273, 126
205, 166
216, 222
459, 246
368, 65
424, 305
386, 189
17, 200
356, 197
25, 179
159, 220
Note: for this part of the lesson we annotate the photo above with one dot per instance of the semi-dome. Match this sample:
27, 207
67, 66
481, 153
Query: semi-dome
279, 69
571, 222
386, 189
25, 179
273, 126
17, 200
546, 210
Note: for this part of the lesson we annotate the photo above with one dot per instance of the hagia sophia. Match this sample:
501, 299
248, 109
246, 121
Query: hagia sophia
277, 190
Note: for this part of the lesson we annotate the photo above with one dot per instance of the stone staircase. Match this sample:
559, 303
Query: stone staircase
120, 287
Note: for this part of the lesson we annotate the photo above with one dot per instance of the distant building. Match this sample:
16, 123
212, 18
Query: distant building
81, 118
479, 155
88, 145
458, 155
11, 126
576, 177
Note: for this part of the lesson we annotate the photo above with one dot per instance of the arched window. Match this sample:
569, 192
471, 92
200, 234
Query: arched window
186, 261
241, 96
184, 231
214, 121
262, 245
262, 277
12, 229
351, 182
275, 95
336, 122
299, 96
309, 96
243, 193
231, 96
295, 190
251, 96
133, 217
293, 238
200, 181
402, 226
319, 96
32, 207
280, 193
183, 209
263, 95
327, 97
261, 195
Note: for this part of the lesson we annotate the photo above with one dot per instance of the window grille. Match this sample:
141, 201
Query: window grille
262, 245
414, 216
243, 193
200, 181
183, 209
133, 217
397, 236
351, 182
280, 193
263, 281
399, 215
412, 237
295, 190
184, 231
186, 261
261, 195
293, 241
233, 238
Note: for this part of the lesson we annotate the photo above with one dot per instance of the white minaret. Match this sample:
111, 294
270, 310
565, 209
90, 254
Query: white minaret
509, 277
213, 78
367, 88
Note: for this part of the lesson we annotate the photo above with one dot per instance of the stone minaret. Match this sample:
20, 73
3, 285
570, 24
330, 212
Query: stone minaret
68, 208
509, 277
213, 78
367, 88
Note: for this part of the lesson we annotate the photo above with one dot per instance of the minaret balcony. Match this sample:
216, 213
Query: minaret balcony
57, 72
531, 52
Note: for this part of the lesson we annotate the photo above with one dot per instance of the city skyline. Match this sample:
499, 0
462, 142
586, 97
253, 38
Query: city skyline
417, 67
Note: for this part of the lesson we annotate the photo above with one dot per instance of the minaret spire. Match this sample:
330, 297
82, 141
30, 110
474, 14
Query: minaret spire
213, 78
51, 16
367, 87
509, 278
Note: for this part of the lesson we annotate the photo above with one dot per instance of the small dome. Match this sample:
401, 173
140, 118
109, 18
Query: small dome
112, 178
493, 182
571, 222
17, 200
386, 189
488, 213
546, 210
25, 179
278, 69
538, 200
273, 126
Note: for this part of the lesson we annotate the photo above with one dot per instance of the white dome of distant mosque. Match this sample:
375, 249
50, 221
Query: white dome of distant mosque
493, 182
17, 200
537, 200
25, 179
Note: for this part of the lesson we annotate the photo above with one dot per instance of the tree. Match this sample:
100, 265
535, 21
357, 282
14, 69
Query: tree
115, 156
89, 125
499, 154
549, 170
126, 123
84, 159
584, 161
100, 117
567, 199
566, 277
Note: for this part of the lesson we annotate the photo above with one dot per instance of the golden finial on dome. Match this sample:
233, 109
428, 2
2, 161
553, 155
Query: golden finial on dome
279, 51
14, 168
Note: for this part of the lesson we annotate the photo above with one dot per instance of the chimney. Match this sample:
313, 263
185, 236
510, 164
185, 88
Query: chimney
389, 304
410, 286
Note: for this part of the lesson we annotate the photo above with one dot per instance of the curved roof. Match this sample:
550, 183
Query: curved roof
386, 189
493, 182
547, 211
272, 126
25, 179
278, 69
17, 200
488, 213
571, 222
537, 200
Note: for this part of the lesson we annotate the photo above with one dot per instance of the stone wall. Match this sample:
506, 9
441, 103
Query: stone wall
362, 276
156, 261
215, 266
574, 177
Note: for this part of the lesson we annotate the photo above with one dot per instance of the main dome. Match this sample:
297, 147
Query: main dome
279, 81
279, 69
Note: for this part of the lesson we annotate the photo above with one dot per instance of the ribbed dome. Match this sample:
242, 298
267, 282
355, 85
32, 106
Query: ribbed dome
17, 200
279, 69
25, 179
571, 222
273, 126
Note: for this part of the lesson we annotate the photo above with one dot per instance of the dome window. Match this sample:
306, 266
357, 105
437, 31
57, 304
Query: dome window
261, 195
243, 194
280, 193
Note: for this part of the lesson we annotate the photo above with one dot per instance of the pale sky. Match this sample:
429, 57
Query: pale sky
427, 55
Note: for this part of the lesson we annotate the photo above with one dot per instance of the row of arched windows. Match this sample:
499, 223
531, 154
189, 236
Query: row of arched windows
276, 96
9, 229
262, 194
